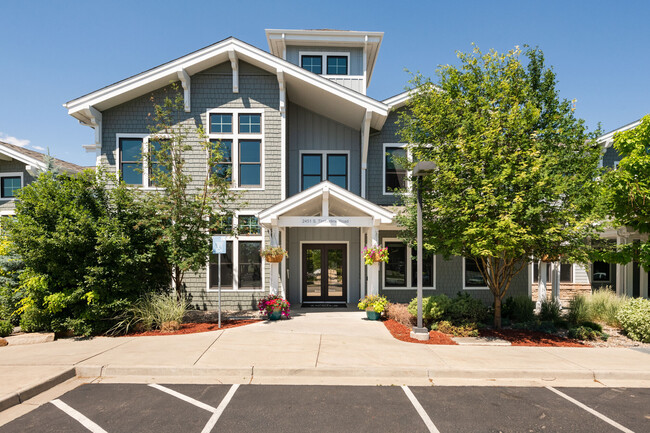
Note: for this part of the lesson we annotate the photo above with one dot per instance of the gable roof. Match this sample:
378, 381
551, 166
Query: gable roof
306, 89
607, 140
32, 157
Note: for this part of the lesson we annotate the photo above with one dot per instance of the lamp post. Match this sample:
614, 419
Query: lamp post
421, 168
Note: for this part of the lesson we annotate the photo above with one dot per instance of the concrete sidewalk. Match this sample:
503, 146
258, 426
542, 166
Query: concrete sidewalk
331, 346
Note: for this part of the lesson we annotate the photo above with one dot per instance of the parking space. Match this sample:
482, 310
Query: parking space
252, 408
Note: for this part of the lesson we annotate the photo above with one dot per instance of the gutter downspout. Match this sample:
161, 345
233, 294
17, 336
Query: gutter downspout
365, 139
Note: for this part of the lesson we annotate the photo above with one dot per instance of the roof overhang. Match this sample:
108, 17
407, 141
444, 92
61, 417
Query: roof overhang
607, 140
304, 88
278, 39
327, 196
26, 159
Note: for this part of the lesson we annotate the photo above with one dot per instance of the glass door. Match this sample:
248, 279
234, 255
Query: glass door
324, 272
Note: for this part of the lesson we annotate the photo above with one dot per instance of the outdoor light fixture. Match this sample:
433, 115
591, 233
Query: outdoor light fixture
421, 168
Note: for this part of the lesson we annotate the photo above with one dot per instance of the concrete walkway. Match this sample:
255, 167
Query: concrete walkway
315, 346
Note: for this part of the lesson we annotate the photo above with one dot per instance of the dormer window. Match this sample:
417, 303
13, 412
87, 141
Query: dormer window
337, 65
313, 64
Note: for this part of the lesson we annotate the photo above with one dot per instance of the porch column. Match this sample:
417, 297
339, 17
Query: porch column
373, 270
555, 281
622, 271
541, 284
275, 271
283, 279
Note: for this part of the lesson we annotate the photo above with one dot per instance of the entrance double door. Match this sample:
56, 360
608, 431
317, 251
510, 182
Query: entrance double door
324, 272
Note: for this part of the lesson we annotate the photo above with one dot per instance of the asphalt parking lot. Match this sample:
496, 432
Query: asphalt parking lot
288, 408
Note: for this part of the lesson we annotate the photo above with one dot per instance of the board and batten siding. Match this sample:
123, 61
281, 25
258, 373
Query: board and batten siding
211, 88
308, 131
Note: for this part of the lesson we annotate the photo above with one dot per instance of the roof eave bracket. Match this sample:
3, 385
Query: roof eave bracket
234, 63
186, 82
95, 117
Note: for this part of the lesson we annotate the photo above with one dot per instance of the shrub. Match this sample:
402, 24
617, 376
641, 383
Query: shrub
6, 328
401, 314
518, 309
433, 307
465, 309
604, 305
634, 317
586, 333
595, 326
465, 330
578, 310
150, 312
537, 326
549, 311
11, 266
89, 251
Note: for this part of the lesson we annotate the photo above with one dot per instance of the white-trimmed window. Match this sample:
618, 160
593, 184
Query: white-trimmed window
239, 137
316, 166
601, 272
472, 277
325, 63
132, 166
395, 175
401, 270
10, 184
242, 267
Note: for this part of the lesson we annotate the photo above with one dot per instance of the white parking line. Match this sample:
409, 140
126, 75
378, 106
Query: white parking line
418, 407
591, 411
216, 412
78, 416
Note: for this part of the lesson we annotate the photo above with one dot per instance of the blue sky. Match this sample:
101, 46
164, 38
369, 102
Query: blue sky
54, 51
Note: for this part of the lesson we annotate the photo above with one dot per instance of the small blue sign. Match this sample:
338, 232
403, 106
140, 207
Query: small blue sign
218, 245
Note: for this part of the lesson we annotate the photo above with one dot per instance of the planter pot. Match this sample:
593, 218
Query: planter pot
376, 257
274, 258
372, 315
275, 315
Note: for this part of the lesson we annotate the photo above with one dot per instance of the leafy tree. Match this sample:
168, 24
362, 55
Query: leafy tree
89, 252
515, 169
11, 267
628, 192
187, 210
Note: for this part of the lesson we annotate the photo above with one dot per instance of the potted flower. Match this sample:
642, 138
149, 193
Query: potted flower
374, 306
375, 254
273, 254
275, 306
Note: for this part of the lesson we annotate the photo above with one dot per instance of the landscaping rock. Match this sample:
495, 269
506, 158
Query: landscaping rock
170, 326
31, 338
3, 342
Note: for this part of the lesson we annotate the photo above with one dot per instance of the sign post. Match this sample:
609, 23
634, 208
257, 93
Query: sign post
219, 248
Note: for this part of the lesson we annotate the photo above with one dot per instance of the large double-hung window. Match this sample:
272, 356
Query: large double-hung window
238, 137
318, 166
401, 271
395, 173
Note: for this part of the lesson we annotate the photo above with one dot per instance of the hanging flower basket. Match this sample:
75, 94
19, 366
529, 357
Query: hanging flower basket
273, 254
375, 254
548, 259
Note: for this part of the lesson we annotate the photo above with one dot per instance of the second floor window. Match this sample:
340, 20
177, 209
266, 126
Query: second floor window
317, 167
238, 138
10, 186
337, 65
131, 160
394, 171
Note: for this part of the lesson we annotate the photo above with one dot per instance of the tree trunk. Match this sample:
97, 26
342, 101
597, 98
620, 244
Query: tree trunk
497, 312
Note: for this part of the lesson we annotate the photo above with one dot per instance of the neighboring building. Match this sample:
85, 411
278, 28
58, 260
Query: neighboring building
19, 167
311, 154
629, 280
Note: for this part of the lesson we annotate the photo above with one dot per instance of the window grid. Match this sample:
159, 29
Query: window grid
249, 225
337, 65
249, 123
220, 123
10, 185
312, 64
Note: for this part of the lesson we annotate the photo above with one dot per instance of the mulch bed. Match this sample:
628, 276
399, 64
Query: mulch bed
193, 328
402, 333
521, 337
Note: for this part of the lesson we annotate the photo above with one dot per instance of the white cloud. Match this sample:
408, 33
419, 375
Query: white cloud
42, 149
13, 140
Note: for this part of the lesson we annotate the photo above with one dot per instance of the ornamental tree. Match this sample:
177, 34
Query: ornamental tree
628, 192
187, 210
515, 169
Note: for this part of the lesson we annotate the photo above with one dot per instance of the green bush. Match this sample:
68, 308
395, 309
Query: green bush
549, 311
593, 325
150, 312
6, 328
433, 307
535, 325
634, 317
604, 305
89, 252
465, 309
518, 309
579, 310
11, 266
586, 333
